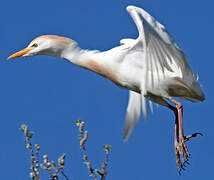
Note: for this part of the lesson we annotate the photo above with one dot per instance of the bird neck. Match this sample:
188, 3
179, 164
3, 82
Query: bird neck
101, 63
78, 56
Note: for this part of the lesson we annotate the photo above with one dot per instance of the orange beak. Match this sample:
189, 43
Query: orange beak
20, 53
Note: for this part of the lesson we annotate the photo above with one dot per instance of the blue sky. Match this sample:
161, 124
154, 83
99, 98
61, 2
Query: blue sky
50, 94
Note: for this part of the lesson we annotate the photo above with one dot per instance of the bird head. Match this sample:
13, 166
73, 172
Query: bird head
45, 45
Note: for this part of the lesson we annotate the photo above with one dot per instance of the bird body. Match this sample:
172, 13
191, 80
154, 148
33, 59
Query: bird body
123, 66
152, 67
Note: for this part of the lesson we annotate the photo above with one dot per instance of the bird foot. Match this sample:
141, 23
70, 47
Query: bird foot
182, 152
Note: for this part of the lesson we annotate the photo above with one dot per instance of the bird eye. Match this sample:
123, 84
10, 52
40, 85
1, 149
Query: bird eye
35, 45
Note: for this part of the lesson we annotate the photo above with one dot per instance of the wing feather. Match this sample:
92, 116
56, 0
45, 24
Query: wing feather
159, 47
132, 113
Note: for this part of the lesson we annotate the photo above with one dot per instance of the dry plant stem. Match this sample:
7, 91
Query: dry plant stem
88, 164
34, 162
104, 166
65, 176
31, 153
37, 147
50, 166
61, 163
46, 165
34, 169
83, 138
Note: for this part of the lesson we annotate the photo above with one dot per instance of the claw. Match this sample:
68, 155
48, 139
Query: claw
182, 167
187, 163
186, 138
183, 154
195, 134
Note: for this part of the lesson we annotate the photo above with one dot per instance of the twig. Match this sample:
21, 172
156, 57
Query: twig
34, 161
47, 165
104, 165
83, 138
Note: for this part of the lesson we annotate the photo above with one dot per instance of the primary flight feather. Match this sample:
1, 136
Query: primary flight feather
152, 67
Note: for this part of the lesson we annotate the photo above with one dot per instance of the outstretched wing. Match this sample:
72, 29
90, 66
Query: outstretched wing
161, 53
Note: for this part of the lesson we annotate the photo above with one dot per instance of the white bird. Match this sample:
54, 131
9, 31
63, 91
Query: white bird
152, 67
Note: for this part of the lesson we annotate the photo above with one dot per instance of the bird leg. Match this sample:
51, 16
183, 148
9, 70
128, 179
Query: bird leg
180, 146
176, 138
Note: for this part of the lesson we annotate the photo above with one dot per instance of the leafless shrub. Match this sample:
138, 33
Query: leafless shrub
56, 169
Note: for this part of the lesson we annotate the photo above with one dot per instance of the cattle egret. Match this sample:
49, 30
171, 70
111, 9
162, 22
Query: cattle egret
152, 67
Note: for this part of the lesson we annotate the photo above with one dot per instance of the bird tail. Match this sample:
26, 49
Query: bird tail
193, 89
133, 112
196, 93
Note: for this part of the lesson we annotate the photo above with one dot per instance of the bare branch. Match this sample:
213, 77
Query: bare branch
83, 139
